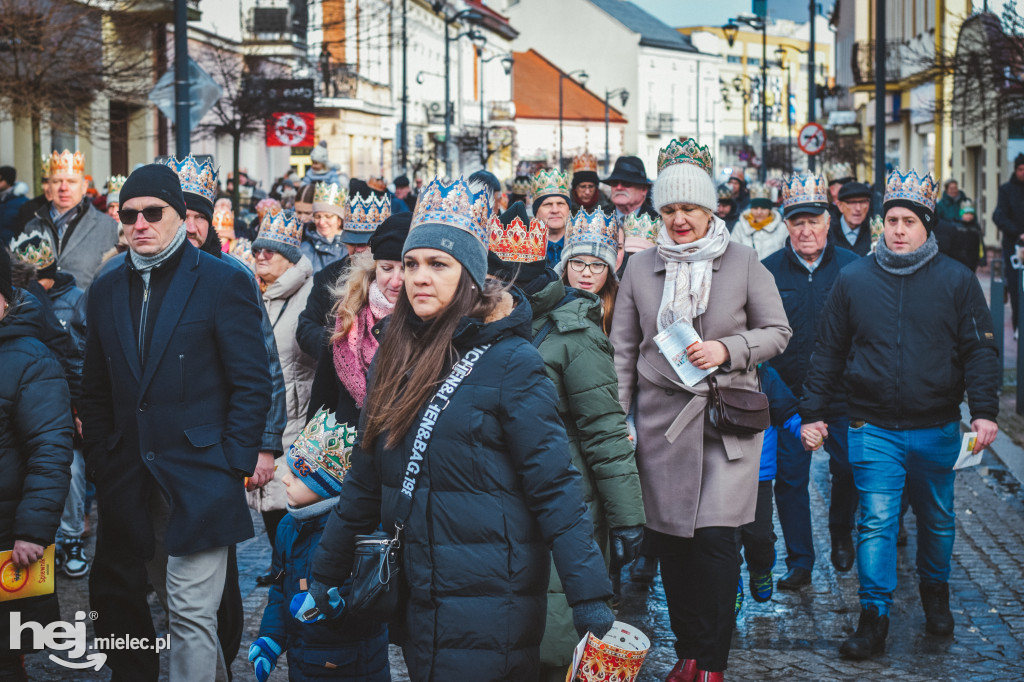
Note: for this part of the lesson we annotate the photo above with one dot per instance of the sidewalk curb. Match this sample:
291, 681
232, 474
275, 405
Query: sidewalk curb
1004, 449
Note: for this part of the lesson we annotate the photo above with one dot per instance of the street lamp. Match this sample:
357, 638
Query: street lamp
780, 53
506, 65
623, 95
758, 24
583, 76
470, 16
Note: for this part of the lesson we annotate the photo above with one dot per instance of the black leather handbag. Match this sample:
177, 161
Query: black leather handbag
738, 411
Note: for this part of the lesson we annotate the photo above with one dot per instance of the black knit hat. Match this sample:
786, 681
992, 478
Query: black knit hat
8, 174
401, 181
158, 181
922, 212
6, 287
854, 190
584, 176
389, 237
1019, 161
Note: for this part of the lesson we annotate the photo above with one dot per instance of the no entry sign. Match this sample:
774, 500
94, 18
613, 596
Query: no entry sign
812, 138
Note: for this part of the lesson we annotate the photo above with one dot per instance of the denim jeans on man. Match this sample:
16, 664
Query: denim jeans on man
884, 463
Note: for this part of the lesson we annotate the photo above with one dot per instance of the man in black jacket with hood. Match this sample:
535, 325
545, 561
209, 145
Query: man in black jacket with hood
1009, 218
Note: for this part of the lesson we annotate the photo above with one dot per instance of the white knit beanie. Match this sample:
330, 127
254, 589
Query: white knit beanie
685, 183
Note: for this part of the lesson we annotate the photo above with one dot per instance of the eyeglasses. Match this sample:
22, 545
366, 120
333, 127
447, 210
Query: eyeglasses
580, 265
152, 214
259, 253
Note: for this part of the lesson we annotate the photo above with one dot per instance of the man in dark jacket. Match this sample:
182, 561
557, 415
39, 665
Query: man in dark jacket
852, 228
906, 330
178, 388
727, 207
805, 270
1009, 218
312, 331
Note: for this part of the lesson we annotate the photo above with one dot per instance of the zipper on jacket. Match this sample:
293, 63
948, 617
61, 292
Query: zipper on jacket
899, 338
181, 384
142, 324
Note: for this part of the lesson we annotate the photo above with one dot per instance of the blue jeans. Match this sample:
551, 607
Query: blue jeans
72, 520
884, 463
793, 499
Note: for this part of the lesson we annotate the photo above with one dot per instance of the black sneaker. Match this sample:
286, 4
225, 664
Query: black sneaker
76, 563
937, 618
869, 640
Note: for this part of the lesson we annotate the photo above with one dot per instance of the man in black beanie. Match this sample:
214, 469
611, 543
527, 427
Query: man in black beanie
1009, 218
176, 390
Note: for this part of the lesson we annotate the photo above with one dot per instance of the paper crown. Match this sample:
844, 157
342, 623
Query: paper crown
66, 162
641, 227
330, 193
44, 168
584, 162
453, 203
911, 187
195, 177
281, 227
686, 152
321, 455
595, 227
547, 182
34, 249
515, 242
760, 191
365, 215
266, 205
222, 218
521, 186
839, 171
804, 189
724, 193
114, 183
377, 183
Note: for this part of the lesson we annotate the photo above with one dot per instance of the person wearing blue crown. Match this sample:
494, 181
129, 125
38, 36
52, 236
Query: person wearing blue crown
905, 330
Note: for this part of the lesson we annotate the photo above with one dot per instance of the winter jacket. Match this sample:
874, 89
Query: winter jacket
863, 244
35, 450
329, 391
765, 241
320, 251
331, 649
1009, 213
284, 300
782, 406
496, 496
905, 347
328, 175
948, 208
11, 201
36, 313
86, 238
314, 322
578, 360
69, 306
803, 296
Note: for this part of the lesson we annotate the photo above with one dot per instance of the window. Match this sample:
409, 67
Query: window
754, 61
734, 59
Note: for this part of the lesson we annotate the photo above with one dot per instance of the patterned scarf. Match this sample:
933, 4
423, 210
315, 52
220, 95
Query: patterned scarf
353, 354
688, 273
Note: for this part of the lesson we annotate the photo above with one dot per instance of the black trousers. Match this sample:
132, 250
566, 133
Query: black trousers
758, 537
700, 576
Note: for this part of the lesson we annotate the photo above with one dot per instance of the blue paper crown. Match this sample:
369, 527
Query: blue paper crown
366, 214
453, 203
800, 190
281, 227
197, 178
595, 227
911, 187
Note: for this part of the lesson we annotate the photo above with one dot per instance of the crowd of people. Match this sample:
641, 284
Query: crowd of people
487, 364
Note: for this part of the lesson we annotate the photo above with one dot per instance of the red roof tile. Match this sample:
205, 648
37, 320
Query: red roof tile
535, 92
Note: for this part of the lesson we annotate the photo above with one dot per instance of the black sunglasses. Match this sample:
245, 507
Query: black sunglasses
152, 214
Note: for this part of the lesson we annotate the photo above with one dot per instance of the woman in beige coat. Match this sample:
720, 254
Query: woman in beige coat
699, 485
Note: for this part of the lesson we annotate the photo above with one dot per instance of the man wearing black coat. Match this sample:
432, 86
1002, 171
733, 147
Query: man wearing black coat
851, 229
1009, 218
312, 331
805, 270
177, 389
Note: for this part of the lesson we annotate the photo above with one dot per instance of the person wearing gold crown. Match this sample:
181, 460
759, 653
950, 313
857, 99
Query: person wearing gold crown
905, 330
497, 494
760, 227
323, 242
586, 192
79, 233
699, 483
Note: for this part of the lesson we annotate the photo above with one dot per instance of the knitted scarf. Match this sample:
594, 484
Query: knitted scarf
145, 264
905, 263
352, 355
688, 273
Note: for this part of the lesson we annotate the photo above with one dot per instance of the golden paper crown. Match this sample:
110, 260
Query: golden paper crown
67, 163
281, 227
807, 189
223, 219
724, 193
195, 177
453, 203
911, 187
641, 226
516, 242
839, 171
547, 182
521, 186
686, 152
365, 215
34, 249
330, 193
44, 168
759, 191
584, 162
114, 183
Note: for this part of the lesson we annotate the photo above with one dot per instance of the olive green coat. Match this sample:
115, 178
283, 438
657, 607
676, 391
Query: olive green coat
578, 359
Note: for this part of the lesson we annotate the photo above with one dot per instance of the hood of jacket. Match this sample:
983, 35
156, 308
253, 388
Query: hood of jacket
582, 310
290, 281
24, 318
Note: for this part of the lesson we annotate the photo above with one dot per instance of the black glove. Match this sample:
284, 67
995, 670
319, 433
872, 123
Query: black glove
592, 616
625, 545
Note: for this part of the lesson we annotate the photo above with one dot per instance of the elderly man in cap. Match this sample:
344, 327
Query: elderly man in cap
176, 392
805, 270
851, 228
905, 331
630, 188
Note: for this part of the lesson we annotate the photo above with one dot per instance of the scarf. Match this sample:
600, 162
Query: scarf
63, 221
145, 264
905, 263
352, 355
688, 273
311, 511
758, 225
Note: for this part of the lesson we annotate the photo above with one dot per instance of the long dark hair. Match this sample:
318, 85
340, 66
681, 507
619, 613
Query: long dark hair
413, 359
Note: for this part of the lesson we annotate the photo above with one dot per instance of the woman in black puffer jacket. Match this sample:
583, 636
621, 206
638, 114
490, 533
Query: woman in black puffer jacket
35, 454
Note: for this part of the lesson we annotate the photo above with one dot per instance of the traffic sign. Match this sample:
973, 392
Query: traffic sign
812, 138
203, 93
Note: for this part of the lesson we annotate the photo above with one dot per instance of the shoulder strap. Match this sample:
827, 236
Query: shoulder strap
438, 403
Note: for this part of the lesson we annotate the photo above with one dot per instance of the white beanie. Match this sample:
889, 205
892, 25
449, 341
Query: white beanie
685, 183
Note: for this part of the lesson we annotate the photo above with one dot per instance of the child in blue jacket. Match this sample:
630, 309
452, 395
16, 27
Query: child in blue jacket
758, 537
329, 649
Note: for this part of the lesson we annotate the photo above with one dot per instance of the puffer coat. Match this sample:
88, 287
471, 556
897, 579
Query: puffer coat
496, 490
766, 240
